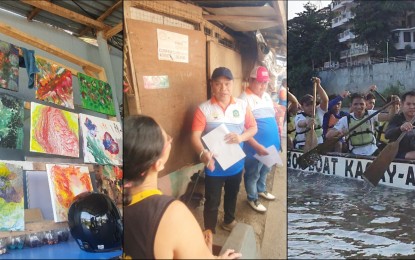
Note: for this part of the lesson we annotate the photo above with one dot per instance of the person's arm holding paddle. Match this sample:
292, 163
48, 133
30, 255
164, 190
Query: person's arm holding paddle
396, 126
383, 117
338, 129
324, 99
401, 123
293, 104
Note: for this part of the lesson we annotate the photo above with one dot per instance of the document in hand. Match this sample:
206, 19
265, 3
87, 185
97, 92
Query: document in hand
226, 154
272, 158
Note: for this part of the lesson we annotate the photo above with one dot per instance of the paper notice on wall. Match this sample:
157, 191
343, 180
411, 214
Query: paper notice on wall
156, 82
172, 46
226, 154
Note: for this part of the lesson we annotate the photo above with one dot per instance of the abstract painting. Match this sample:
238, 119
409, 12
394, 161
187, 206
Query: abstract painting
109, 181
9, 66
11, 197
38, 194
65, 183
54, 84
11, 122
53, 131
102, 140
96, 95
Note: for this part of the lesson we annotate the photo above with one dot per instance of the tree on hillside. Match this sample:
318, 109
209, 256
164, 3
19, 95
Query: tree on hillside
374, 21
310, 42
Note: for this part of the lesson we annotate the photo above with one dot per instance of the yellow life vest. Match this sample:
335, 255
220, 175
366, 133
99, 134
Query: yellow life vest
317, 128
291, 127
380, 132
363, 135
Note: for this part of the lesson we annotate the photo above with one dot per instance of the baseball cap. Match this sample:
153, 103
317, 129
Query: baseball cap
222, 71
260, 73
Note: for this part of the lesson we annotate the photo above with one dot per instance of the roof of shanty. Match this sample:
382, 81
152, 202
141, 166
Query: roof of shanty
81, 18
84, 18
269, 17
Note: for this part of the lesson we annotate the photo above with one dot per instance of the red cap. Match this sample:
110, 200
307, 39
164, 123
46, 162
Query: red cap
260, 73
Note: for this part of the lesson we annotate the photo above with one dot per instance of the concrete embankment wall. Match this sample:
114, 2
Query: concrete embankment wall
359, 78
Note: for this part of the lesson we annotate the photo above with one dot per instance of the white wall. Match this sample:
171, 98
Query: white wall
359, 78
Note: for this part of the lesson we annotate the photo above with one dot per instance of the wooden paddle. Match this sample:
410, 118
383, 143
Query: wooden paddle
311, 136
381, 96
380, 164
313, 155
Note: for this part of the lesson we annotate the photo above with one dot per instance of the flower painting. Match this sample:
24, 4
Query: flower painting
53, 131
9, 66
102, 140
65, 183
96, 95
11, 197
11, 122
54, 84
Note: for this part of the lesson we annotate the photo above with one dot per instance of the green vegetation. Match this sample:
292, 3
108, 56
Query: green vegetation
311, 42
394, 89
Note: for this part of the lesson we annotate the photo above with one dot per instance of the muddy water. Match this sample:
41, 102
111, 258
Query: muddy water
332, 217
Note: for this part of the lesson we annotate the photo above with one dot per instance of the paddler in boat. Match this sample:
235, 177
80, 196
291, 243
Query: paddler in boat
381, 140
361, 141
304, 119
400, 123
333, 116
292, 109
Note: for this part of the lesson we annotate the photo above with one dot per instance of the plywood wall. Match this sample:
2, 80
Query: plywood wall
220, 56
172, 107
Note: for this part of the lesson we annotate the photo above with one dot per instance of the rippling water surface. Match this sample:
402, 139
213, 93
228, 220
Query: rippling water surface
332, 217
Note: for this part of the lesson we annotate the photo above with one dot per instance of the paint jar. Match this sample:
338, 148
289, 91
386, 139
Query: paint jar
34, 239
63, 234
3, 245
50, 238
16, 242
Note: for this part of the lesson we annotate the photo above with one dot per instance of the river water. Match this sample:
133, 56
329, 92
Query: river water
333, 217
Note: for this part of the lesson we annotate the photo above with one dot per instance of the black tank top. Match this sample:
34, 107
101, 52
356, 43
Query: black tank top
141, 221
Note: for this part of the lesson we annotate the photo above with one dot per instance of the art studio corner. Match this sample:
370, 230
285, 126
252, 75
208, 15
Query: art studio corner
60, 120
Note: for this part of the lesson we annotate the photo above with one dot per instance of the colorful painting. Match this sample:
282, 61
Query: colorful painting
109, 181
54, 84
11, 122
11, 197
96, 95
65, 183
53, 131
102, 140
9, 66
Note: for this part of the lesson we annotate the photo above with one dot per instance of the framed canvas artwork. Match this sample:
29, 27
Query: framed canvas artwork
96, 95
65, 183
54, 83
102, 140
11, 122
9, 66
109, 181
11, 197
53, 131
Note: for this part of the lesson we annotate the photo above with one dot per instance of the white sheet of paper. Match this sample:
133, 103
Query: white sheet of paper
272, 158
226, 154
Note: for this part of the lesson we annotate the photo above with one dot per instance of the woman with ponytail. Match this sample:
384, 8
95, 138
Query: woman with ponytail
156, 226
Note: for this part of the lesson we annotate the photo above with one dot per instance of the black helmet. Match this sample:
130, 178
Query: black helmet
95, 222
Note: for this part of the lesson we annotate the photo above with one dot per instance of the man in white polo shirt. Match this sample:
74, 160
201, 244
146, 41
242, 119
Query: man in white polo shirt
262, 107
235, 113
